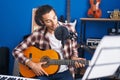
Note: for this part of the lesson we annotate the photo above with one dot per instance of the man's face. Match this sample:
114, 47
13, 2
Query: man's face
50, 20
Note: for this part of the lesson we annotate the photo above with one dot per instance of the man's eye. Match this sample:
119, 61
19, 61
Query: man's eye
48, 21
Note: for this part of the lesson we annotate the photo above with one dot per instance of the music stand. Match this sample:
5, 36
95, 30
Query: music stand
106, 59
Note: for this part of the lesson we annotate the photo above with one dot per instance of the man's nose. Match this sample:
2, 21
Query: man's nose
53, 22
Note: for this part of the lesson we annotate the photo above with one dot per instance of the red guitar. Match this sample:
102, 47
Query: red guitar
94, 11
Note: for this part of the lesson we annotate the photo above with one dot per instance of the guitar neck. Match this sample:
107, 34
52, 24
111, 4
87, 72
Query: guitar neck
67, 62
68, 11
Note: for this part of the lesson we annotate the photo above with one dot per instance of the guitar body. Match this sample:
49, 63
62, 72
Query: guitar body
94, 11
38, 56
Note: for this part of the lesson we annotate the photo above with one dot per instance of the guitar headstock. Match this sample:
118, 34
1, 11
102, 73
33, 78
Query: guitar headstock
73, 24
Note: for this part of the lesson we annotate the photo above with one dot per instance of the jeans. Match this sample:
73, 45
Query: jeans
66, 75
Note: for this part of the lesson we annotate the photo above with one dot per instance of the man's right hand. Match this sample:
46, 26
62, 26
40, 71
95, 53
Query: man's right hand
37, 68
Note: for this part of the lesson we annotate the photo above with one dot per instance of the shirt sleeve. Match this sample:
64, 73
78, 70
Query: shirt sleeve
18, 52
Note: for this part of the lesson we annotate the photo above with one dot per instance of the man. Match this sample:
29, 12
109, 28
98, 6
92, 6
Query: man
44, 39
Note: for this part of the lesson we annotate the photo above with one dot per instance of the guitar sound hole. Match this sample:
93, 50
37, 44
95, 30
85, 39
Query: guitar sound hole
45, 59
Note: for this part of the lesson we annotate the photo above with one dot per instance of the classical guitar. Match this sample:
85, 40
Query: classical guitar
49, 56
94, 11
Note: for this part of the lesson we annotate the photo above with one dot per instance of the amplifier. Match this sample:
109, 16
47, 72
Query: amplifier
92, 42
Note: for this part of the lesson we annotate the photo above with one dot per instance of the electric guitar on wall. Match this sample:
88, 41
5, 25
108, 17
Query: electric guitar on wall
67, 20
49, 56
68, 15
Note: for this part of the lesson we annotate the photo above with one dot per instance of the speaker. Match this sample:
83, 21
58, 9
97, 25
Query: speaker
4, 60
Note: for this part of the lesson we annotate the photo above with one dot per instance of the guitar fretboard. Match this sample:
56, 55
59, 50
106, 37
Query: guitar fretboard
67, 62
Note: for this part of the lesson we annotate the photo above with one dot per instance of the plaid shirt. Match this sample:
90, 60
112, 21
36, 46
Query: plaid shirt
41, 41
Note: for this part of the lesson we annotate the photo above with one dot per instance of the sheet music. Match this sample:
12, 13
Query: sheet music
106, 58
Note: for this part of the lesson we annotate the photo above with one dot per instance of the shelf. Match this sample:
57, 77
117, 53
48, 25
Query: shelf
98, 19
84, 26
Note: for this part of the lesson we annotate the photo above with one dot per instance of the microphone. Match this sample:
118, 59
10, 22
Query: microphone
85, 47
62, 33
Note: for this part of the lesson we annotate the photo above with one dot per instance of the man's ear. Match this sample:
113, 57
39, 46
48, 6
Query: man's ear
42, 23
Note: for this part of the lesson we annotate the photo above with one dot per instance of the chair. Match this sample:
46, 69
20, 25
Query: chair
4, 60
